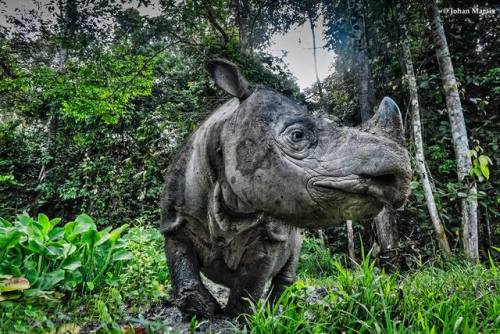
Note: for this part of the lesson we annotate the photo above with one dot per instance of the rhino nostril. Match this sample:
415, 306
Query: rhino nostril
385, 179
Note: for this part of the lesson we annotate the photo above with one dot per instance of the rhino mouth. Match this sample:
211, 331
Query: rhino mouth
383, 188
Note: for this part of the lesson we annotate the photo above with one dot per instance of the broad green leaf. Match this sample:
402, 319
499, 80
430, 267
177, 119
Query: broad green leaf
45, 224
72, 279
83, 224
478, 172
9, 238
33, 295
103, 236
72, 264
69, 231
37, 247
5, 223
90, 237
49, 280
115, 234
56, 233
486, 171
57, 248
122, 255
69, 249
484, 160
24, 219
11, 269
55, 221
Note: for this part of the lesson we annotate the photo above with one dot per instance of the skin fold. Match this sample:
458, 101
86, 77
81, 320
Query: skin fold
254, 173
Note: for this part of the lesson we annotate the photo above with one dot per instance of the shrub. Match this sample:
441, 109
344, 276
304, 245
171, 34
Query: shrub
58, 258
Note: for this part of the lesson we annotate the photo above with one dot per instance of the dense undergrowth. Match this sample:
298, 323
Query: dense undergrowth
74, 277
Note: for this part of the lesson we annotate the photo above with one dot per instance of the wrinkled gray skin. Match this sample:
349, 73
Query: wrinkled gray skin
257, 170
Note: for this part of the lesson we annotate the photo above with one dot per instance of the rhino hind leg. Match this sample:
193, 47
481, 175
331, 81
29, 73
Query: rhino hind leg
189, 293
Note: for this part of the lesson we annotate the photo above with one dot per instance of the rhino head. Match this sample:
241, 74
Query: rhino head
276, 158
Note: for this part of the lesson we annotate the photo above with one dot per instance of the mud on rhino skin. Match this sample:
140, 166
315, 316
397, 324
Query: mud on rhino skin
254, 173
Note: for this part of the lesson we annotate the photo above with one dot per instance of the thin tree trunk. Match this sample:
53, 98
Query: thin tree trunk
387, 231
350, 241
52, 125
362, 67
419, 148
315, 57
487, 230
386, 224
459, 132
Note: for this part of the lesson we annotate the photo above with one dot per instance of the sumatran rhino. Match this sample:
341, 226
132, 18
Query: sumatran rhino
254, 173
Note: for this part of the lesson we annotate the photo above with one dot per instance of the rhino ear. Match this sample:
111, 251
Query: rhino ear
227, 76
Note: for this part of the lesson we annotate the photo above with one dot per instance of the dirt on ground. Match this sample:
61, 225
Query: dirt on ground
165, 317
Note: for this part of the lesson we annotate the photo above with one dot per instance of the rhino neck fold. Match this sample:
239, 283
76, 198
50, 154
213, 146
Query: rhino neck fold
224, 223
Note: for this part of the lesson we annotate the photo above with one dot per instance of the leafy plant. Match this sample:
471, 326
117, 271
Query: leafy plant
145, 278
59, 258
480, 164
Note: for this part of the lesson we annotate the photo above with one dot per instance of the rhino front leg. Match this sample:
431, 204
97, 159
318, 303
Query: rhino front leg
190, 295
251, 278
249, 287
288, 273
285, 277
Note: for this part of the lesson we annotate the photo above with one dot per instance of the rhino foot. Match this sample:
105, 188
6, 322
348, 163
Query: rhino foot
197, 302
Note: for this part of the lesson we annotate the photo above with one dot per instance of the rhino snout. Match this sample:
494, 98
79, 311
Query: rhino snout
378, 170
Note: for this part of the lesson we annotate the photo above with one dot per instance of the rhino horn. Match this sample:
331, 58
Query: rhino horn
227, 76
388, 119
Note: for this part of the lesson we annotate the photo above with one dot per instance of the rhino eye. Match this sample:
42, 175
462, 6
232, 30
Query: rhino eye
297, 135
297, 138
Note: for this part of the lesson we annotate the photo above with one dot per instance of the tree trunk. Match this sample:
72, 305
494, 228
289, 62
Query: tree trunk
459, 132
419, 151
361, 63
242, 15
386, 224
315, 58
350, 241
52, 127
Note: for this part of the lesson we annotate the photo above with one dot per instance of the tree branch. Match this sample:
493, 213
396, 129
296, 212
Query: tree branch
215, 24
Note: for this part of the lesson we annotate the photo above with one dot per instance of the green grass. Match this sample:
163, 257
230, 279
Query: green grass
453, 296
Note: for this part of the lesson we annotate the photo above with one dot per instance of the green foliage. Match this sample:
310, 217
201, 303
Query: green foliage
101, 90
480, 164
451, 296
146, 275
135, 275
58, 258
316, 260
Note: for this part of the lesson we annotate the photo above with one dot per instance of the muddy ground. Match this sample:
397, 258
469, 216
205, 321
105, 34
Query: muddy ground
166, 317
